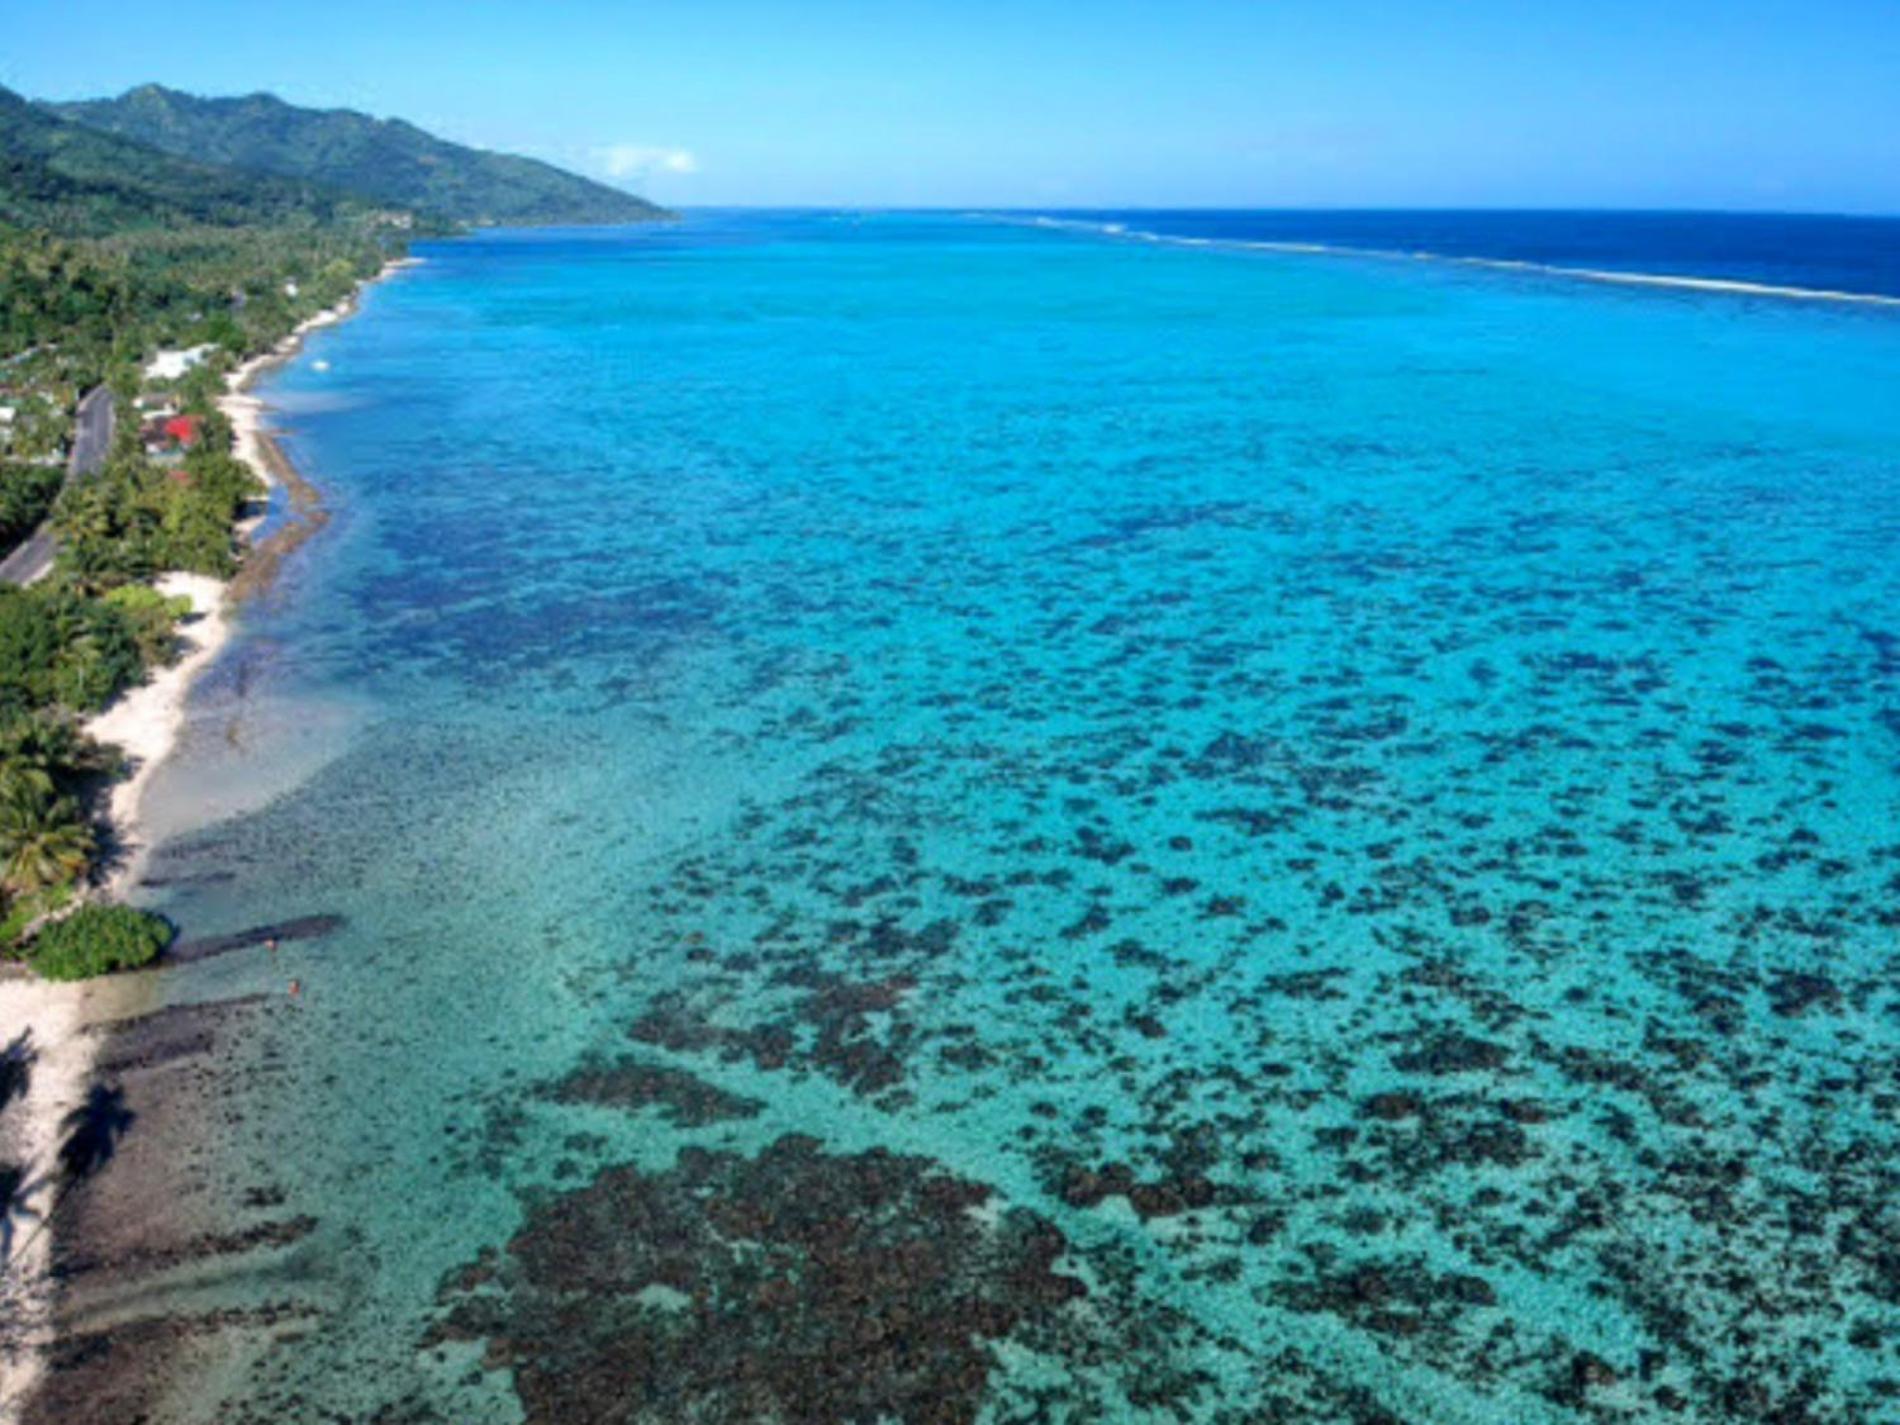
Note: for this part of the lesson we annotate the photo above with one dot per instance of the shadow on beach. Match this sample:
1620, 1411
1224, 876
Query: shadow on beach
136, 1221
93, 1131
17, 1189
91, 1134
16, 1068
17, 1184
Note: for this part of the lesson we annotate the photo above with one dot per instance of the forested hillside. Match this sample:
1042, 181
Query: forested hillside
383, 159
81, 182
109, 247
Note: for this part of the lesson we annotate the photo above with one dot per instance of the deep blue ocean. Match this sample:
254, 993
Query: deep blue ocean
1857, 256
940, 819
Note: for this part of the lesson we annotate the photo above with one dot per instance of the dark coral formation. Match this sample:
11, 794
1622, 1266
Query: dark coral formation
827, 1025
631, 1084
797, 1286
1167, 1197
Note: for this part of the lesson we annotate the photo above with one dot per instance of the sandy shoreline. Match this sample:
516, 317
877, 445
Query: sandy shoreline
146, 721
54, 1031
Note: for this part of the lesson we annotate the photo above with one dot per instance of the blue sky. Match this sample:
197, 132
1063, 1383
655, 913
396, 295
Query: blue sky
1666, 103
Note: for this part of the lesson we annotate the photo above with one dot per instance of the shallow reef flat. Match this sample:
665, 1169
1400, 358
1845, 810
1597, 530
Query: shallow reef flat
982, 825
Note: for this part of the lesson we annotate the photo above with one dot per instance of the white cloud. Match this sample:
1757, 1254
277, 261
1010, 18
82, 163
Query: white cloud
634, 160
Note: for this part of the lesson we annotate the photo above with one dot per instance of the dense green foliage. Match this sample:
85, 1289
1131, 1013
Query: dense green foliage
82, 181
50, 287
25, 910
98, 939
45, 842
385, 159
84, 305
57, 648
152, 618
136, 519
26, 494
44, 749
61, 655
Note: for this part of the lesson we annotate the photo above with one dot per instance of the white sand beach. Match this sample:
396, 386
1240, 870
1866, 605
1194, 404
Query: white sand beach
144, 723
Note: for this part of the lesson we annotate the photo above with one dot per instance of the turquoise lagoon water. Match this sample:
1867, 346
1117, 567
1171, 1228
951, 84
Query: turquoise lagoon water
944, 821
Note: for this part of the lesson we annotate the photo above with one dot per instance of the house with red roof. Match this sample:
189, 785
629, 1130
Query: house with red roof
169, 434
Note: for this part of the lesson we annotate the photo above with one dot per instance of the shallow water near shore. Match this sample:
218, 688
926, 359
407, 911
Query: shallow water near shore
941, 821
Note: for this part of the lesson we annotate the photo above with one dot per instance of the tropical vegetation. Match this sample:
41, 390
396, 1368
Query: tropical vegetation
98, 939
26, 494
137, 518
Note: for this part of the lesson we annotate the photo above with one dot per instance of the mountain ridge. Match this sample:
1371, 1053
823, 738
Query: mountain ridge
390, 161
69, 178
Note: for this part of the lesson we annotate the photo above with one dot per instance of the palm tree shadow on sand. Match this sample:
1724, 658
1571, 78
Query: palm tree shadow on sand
16, 1068
93, 1131
92, 1134
16, 1208
17, 1185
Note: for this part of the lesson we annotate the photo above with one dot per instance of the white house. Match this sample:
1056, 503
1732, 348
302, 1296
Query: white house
170, 365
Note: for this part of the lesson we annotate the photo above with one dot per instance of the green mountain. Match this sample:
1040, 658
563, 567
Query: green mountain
385, 159
78, 181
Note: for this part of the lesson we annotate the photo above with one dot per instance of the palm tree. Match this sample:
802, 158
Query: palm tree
78, 671
42, 840
45, 751
48, 743
22, 778
86, 515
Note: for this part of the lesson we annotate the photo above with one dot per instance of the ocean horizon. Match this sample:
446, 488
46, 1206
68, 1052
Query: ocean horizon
1819, 255
1075, 815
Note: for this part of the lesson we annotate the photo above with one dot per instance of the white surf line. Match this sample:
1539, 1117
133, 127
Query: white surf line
1734, 287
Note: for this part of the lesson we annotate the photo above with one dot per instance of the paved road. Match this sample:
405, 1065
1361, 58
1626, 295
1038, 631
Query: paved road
92, 438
